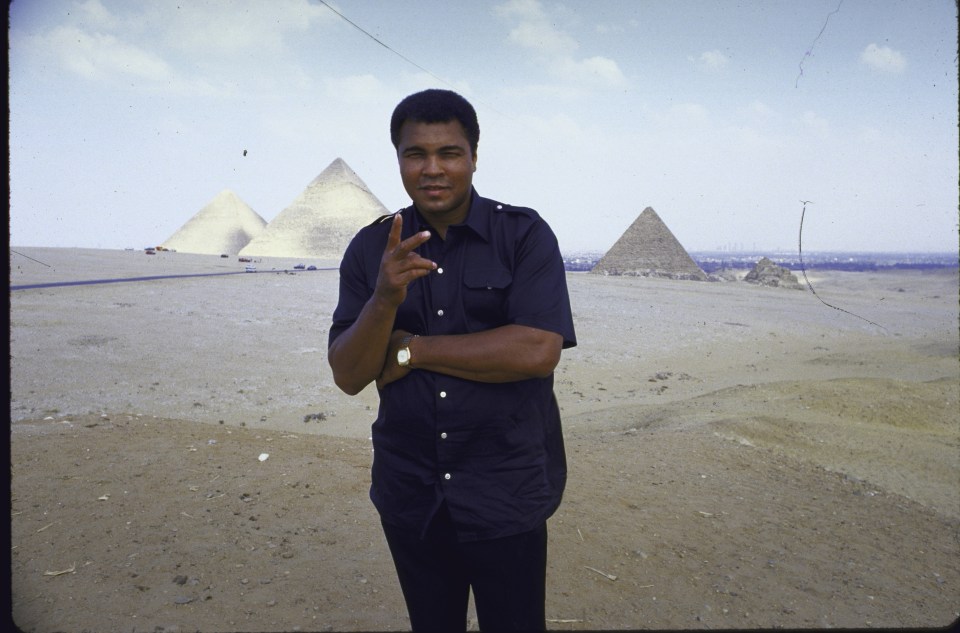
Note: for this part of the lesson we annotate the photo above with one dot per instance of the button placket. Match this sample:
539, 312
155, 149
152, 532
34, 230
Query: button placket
444, 443
441, 291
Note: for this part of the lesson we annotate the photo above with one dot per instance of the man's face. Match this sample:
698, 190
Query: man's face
436, 166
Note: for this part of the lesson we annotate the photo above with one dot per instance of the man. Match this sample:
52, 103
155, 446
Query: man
457, 308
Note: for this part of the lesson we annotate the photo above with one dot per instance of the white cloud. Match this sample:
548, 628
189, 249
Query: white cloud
711, 61
597, 70
614, 28
868, 134
522, 9
608, 29
815, 123
98, 15
760, 110
682, 125
357, 89
690, 113
543, 37
101, 56
561, 129
883, 58
556, 49
249, 26
180, 47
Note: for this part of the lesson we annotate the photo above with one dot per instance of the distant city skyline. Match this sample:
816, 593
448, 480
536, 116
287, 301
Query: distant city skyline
127, 118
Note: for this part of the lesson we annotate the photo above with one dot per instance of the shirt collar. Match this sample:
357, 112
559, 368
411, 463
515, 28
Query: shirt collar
478, 218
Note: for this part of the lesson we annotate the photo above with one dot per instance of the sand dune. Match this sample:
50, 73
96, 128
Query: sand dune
740, 456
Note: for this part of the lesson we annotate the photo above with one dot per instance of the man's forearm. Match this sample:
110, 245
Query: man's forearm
504, 354
356, 356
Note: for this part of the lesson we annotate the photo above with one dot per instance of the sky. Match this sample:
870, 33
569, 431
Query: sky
127, 118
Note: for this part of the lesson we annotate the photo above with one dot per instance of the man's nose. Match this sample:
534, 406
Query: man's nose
432, 166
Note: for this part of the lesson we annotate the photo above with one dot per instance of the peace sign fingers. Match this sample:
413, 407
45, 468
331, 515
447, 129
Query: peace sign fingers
400, 264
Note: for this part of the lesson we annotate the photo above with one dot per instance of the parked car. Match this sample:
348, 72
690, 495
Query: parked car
299, 267
311, 267
251, 269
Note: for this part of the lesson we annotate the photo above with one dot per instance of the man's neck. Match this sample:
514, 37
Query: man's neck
439, 223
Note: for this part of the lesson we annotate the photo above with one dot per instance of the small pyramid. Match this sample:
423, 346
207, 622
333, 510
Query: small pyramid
322, 220
767, 273
225, 225
648, 249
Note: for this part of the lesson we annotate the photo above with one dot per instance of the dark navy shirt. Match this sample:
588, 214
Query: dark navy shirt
492, 451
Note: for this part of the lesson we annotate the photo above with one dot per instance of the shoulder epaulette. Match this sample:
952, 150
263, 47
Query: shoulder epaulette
509, 208
383, 218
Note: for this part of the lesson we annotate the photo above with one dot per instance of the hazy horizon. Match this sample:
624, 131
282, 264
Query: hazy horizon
127, 118
565, 252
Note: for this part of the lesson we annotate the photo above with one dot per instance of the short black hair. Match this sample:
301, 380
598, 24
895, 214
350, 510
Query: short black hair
436, 106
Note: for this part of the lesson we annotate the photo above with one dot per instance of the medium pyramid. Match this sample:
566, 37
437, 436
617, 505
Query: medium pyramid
322, 220
648, 249
225, 225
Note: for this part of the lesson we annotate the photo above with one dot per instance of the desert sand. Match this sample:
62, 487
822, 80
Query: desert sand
740, 456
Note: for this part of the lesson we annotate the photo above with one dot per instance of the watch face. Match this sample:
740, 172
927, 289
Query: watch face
403, 356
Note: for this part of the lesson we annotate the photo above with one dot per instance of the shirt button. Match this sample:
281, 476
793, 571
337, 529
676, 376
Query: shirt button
443, 436
447, 476
439, 271
443, 394
439, 312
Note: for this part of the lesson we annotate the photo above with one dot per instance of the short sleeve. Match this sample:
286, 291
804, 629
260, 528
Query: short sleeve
356, 287
538, 296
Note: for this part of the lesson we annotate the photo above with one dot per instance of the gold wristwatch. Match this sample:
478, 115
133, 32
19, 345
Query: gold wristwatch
403, 354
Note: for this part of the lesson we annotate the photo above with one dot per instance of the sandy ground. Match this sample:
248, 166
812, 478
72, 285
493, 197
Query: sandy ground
740, 457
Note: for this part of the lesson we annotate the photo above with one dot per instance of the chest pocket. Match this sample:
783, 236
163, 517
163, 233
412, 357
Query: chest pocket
485, 295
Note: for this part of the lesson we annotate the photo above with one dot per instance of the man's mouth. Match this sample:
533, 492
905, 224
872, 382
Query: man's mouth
433, 190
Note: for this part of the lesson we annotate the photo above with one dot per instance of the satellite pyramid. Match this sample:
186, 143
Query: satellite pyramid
225, 225
322, 220
648, 249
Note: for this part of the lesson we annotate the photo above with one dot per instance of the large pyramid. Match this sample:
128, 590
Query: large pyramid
225, 225
648, 249
322, 220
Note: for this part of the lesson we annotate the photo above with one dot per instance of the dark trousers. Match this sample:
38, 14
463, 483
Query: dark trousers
507, 575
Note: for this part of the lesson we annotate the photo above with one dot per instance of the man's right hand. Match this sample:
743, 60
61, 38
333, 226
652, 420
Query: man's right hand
358, 355
400, 265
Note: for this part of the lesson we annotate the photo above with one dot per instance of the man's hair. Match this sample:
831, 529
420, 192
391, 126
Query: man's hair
436, 106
